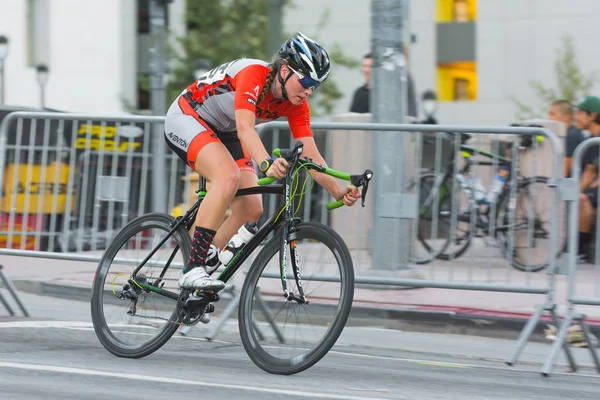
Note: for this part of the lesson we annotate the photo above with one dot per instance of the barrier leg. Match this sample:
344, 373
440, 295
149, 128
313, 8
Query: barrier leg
6, 305
233, 303
566, 345
588, 338
269, 316
14, 293
561, 340
526, 333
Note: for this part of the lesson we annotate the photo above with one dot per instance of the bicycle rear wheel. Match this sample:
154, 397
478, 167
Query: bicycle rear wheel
272, 340
131, 321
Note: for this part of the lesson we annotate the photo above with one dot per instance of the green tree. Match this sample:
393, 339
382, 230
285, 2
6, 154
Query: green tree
571, 83
235, 29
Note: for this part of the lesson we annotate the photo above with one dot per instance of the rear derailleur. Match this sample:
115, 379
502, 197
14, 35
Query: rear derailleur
131, 291
194, 305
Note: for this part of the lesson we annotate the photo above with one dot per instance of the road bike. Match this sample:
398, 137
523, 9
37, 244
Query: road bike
519, 220
135, 313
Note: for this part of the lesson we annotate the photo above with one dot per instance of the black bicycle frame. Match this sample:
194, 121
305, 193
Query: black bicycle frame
269, 226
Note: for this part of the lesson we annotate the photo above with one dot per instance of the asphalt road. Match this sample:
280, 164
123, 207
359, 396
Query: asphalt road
56, 355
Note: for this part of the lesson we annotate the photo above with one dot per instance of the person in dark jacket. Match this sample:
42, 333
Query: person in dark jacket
361, 98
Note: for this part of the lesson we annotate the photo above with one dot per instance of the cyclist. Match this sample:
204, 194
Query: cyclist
211, 126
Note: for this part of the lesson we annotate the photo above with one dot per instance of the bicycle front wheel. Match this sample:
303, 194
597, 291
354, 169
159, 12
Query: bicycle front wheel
286, 337
129, 319
524, 225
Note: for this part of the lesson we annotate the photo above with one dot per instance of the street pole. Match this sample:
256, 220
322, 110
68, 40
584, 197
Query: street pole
158, 100
391, 227
3, 54
1, 81
43, 95
275, 13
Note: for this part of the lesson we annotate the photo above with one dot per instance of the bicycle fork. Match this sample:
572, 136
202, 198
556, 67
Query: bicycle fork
289, 238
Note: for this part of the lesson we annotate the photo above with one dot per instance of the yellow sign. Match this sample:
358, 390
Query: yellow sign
41, 194
98, 137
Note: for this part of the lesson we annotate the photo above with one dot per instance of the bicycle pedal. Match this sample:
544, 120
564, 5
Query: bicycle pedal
197, 299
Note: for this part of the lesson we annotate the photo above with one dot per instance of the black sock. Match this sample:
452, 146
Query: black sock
584, 238
202, 239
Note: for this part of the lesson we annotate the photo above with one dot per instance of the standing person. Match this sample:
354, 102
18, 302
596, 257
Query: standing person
211, 126
587, 118
562, 111
361, 97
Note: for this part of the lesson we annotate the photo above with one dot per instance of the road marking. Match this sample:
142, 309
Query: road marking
46, 324
411, 360
145, 378
443, 364
88, 326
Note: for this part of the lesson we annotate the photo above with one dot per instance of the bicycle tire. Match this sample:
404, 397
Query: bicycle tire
502, 236
422, 221
106, 337
443, 252
312, 231
465, 240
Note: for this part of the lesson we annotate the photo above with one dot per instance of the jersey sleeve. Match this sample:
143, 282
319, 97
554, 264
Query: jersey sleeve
299, 121
248, 84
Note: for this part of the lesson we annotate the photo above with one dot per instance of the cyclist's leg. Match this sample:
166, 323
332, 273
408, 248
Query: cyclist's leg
244, 208
588, 203
191, 137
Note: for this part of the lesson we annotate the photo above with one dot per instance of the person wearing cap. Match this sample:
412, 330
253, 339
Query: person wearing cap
587, 118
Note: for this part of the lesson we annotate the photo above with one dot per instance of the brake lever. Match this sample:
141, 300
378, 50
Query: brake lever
363, 195
362, 181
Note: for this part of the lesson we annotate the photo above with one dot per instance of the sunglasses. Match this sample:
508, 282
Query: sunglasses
306, 81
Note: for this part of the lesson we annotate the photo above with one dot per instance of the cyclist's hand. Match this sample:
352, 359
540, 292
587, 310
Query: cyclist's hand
278, 168
349, 195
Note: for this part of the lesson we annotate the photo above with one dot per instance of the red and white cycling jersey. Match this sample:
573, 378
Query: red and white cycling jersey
205, 111
237, 85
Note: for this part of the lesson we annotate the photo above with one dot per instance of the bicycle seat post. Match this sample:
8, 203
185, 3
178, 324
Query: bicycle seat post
202, 184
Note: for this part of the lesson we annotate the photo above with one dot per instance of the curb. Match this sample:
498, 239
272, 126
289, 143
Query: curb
415, 318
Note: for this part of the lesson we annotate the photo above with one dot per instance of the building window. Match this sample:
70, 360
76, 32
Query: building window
143, 92
461, 11
143, 16
456, 10
457, 81
38, 32
461, 89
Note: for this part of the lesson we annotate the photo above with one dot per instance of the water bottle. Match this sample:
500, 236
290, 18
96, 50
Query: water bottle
497, 186
463, 183
243, 236
478, 190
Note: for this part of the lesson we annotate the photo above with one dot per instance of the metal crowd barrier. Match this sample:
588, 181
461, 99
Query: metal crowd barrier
71, 181
65, 197
348, 149
570, 192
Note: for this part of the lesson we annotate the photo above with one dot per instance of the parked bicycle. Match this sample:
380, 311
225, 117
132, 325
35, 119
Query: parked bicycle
518, 218
148, 306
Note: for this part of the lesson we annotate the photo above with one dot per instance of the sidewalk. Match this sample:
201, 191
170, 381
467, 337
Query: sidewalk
484, 313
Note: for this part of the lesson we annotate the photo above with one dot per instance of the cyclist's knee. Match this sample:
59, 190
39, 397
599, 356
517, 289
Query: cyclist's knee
227, 182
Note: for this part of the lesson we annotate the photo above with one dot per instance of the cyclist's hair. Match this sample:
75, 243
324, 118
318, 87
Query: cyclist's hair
564, 106
276, 63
